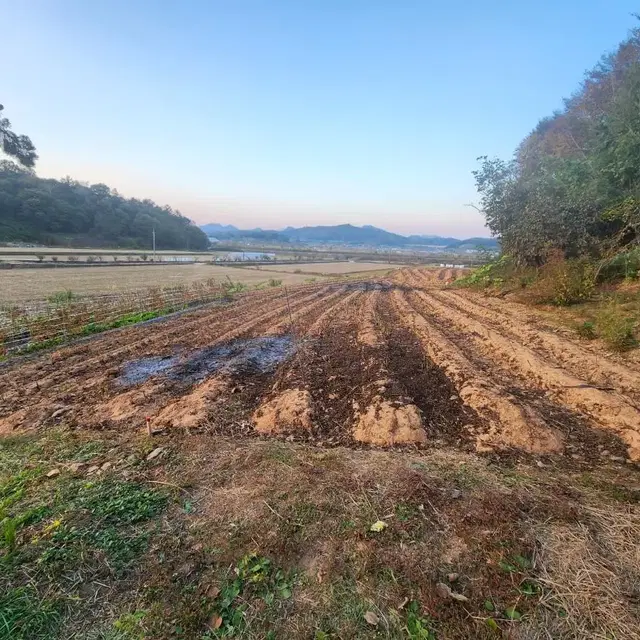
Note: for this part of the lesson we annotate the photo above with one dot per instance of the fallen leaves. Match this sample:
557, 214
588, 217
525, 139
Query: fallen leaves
378, 526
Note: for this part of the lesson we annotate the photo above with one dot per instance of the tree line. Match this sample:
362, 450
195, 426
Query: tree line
573, 184
70, 213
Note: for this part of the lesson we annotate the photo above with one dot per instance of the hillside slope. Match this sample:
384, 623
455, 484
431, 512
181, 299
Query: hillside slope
65, 212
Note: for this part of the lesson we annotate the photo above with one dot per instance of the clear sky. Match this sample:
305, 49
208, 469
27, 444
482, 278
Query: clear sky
275, 112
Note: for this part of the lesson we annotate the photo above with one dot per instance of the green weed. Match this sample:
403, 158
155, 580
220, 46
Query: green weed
418, 627
586, 330
616, 327
62, 297
25, 615
255, 578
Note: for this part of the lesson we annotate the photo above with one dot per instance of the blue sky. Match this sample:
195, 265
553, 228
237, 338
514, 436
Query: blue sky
275, 112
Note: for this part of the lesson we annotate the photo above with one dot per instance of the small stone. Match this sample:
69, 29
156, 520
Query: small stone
576, 456
444, 591
604, 452
540, 463
455, 494
74, 467
53, 473
452, 577
371, 618
106, 466
155, 453
617, 459
93, 469
58, 412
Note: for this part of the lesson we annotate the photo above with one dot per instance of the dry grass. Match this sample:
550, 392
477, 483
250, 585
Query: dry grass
592, 571
310, 511
22, 285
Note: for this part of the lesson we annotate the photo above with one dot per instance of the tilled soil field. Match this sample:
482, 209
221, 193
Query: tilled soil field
402, 361
388, 458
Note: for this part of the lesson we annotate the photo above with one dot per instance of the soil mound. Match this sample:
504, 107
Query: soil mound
191, 410
383, 424
289, 412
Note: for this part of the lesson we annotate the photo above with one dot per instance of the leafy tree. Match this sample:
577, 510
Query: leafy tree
574, 182
16, 146
69, 213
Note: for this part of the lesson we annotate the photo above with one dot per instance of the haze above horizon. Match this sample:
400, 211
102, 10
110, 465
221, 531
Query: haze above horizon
284, 113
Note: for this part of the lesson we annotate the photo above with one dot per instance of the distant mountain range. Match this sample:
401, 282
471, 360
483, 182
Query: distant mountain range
343, 234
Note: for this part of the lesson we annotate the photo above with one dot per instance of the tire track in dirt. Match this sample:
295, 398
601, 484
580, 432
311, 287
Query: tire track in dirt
597, 370
606, 410
510, 424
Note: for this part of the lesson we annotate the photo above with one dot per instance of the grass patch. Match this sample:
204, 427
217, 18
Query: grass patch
615, 326
62, 534
62, 297
123, 321
26, 615
40, 345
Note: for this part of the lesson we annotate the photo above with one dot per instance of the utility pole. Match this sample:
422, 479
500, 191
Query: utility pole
153, 234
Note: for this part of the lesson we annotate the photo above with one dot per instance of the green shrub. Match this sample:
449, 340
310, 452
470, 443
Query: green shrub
586, 330
493, 273
616, 327
275, 283
624, 266
564, 282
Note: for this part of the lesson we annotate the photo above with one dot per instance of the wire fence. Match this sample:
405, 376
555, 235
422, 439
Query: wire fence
40, 324
63, 317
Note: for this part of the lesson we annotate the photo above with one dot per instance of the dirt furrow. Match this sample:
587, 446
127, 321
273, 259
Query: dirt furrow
597, 370
111, 341
292, 320
326, 317
608, 410
368, 333
510, 424
223, 401
538, 320
91, 380
155, 337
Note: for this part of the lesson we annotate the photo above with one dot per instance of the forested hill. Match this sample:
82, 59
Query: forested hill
573, 185
68, 213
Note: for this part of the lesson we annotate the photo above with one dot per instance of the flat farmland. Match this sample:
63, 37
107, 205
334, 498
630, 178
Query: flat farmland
22, 285
331, 268
345, 459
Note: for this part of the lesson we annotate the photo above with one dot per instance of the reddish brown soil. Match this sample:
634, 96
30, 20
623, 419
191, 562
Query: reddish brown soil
405, 361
